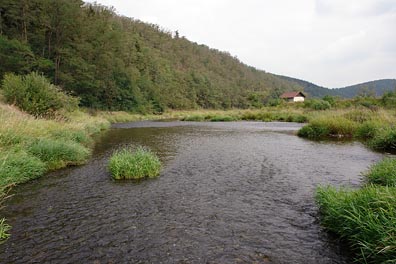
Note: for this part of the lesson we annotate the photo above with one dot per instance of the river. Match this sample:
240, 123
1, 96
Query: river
237, 192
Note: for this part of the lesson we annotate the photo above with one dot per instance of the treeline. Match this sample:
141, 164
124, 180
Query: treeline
118, 63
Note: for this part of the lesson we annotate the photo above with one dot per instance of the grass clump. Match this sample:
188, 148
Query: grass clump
59, 153
383, 173
365, 218
18, 167
129, 164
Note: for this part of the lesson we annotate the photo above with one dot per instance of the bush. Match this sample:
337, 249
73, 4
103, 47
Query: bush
129, 164
383, 173
18, 167
34, 94
365, 218
316, 104
59, 153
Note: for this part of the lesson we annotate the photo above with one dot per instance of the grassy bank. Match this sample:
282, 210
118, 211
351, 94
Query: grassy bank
31, 146
365, 218
377, 128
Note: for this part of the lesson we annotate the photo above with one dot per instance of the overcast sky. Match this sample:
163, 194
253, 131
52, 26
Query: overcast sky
333, 43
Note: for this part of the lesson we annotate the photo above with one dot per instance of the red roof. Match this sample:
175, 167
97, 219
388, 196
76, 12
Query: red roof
291, 95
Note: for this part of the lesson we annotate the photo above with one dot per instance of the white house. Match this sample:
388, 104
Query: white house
293, 96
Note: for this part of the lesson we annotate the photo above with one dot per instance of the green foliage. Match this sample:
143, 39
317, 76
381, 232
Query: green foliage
367, 130
59, 153
116, 63
4, 228
365, 218
196, 118
35, 95
15, 56
330, 99
328, 127
19, 167
223, 118
78, 136
389, 99
383, 173
317, 104
384, 139
129, 164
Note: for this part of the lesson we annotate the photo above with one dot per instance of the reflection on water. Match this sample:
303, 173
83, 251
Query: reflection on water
238, 192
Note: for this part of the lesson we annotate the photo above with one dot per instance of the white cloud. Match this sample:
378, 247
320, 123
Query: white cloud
332, 43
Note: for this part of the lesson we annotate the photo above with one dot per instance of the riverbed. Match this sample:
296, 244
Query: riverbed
235, 192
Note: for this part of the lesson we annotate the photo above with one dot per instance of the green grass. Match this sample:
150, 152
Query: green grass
19, 167
59, 153
384, 139
4, 227
383, 173
366, 218
129, 164
223, 118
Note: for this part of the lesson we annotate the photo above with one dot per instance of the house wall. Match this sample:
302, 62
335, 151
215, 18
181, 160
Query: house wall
298, 99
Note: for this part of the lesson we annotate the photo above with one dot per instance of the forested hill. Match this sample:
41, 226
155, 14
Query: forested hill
373, 88
118, 63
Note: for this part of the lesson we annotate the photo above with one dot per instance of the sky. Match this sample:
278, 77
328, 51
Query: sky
332, 43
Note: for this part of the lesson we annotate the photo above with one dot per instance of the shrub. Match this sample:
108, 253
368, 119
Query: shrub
316, 104
34, 94
383, 173
129, 164
59, 153
365, 218
19, 167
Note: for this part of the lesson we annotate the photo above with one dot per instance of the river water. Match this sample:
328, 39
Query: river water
238, 192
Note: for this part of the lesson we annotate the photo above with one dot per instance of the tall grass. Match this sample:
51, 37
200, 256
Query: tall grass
58, 153
4, 227
129, 164
376, 128
19, 167
366, 218
383, 173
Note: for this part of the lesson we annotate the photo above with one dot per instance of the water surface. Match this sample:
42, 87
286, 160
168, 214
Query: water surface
239, 192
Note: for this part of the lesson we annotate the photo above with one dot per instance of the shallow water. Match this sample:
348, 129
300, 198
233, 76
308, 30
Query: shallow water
239, 192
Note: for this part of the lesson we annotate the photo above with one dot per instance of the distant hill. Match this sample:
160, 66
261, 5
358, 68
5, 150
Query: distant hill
376, 88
